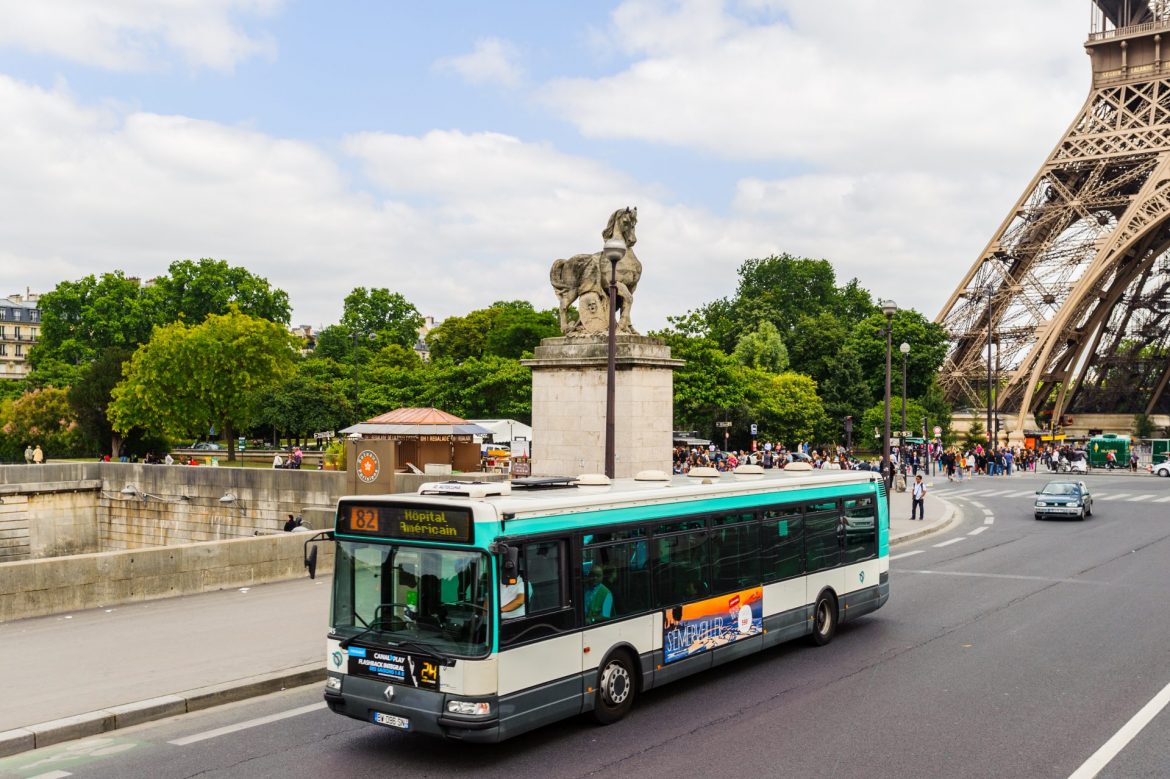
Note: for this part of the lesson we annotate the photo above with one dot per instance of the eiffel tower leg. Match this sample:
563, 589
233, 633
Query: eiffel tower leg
1078, 274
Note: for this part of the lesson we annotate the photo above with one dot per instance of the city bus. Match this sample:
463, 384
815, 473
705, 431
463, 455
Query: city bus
480, 610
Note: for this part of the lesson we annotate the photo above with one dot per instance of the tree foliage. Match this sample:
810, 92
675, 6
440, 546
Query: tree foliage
193, 290
388, 315
303, 405
39, 416
89, 397
763, 349
509, 329
214, 373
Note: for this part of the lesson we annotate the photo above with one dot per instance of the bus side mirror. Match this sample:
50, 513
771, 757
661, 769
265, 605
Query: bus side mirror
509, 564
311, 563
311, 551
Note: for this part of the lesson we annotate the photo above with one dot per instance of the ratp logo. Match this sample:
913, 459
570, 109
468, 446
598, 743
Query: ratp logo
368, 466
861, 576
337, 659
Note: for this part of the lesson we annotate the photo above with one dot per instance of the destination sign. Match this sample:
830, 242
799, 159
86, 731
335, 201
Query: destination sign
422, 523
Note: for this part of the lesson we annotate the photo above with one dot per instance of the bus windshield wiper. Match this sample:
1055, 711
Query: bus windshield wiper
422, 649
375, 625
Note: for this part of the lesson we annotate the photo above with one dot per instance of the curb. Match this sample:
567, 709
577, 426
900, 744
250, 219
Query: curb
93, 723
946, 520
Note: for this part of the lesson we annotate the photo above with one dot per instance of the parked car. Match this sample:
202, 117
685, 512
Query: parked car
204, 445
1064, 499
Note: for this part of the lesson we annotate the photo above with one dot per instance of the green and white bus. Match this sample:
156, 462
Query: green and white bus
478, 611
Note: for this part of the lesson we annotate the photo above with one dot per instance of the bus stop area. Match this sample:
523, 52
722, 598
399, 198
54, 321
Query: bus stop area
82, 674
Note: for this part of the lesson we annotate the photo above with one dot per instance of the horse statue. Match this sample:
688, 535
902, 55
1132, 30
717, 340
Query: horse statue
585, 277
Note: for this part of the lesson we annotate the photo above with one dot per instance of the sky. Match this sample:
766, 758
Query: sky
452, 150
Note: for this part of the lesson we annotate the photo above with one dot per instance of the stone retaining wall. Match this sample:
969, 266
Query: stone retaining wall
32, 588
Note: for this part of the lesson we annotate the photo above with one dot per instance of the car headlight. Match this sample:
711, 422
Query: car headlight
469, 707
333, 683
1041, 503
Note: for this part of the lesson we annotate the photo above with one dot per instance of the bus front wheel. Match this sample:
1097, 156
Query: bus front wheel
616, 686
824, 619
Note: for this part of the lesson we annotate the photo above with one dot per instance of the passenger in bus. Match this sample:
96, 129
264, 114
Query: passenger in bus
512, 597
598, 598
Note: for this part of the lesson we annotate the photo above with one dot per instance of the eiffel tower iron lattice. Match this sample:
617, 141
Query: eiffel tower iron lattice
1074, 288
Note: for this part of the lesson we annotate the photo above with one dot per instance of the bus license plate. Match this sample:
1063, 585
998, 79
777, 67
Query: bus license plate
401, 723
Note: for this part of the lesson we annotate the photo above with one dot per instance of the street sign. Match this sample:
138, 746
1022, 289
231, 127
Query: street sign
753, 428
937, 430
722, 424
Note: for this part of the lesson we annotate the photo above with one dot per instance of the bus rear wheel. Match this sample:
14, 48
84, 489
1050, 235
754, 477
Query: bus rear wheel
824, 619
616, 688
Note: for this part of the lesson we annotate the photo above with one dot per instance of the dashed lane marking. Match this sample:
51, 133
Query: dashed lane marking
977, 504
989, 521
252, 723
948, 543
905, 554
977, 531
1110, 749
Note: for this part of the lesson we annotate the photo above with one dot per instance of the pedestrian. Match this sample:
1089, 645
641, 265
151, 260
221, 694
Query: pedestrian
38, 455
28, 454
917, 497
278, 462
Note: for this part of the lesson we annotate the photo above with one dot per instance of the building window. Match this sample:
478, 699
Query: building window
20, 350
3, 314
2, 333
3, 350
16, 332
16, 315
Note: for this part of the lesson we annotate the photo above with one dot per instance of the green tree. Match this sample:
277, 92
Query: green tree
214, 373
708, 387
1143, 426
192, 290
479, 388
40, 416
789, 410
302, 406
763, 349
976, 434
81, 318
509, 329
388, 315
89, 397
875, 417
928, 349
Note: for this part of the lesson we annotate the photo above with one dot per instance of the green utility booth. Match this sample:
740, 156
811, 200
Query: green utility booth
1101, 445
1160, 448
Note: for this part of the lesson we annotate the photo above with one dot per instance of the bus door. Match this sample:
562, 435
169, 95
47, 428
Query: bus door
824, 548
539, 646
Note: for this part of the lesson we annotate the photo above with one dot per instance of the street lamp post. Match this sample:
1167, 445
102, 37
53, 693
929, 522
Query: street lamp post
615, 249
889, 308
356, 406
990, 291
905, 350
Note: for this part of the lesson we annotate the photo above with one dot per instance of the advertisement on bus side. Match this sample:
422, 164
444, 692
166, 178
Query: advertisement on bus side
706, 624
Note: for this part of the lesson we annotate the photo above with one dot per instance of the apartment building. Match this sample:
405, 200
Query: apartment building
20, 324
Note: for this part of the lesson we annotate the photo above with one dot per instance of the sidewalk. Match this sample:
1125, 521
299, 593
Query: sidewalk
134, 663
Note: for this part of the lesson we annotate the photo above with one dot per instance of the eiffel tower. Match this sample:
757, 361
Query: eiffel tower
1072, 294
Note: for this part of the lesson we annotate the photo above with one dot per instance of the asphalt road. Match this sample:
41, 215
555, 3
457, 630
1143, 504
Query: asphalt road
1009, 648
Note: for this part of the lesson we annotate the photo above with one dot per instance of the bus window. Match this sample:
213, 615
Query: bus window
542, 572
860, 529
822, 542
680, 568
782, 543
735, 554
624, 579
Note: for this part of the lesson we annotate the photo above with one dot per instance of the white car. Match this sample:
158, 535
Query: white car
1161, 469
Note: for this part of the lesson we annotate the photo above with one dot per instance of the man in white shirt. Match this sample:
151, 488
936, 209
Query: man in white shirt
512, 599
918, 495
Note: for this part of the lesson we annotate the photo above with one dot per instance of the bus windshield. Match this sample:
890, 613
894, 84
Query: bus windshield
419, 597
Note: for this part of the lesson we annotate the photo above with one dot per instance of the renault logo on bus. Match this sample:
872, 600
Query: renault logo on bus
368, 466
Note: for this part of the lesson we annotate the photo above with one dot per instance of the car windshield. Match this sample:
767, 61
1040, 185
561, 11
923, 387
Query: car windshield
1061, 488
426, 598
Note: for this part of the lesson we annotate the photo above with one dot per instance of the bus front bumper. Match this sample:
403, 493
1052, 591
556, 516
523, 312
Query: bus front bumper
413, 710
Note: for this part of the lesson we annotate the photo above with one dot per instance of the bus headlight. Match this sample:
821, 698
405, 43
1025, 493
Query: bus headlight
333, 683
469, 707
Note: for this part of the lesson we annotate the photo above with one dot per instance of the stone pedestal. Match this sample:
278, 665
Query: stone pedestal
568, 405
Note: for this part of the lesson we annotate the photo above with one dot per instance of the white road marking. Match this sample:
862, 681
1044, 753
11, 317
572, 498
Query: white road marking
996, 493
252, 723
1140, 497
977, 505
977, 531
1101, 494
1111, 496
1017, 576
52, 775
988, 512
1121, 738
952, 541
905, 554
1163, 500
989, 521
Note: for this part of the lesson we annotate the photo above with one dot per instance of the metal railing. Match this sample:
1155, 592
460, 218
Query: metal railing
1133, 29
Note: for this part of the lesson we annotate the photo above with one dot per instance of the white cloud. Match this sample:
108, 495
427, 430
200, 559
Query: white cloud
134, 35
492, 61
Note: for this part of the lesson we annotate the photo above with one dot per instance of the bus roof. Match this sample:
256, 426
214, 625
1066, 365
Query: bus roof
621, 493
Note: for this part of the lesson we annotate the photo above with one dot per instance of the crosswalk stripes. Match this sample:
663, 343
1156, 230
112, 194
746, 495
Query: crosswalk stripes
1118, 496
1163, 500
1136, 498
